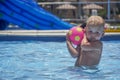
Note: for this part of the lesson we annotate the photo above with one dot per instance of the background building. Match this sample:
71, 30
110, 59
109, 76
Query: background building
80, 10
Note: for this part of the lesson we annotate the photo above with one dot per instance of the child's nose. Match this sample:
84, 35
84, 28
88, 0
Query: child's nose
93, 34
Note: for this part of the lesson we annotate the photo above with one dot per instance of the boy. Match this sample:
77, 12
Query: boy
89, 52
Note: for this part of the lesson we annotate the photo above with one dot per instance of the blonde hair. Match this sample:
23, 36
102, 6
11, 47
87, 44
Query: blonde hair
95, 20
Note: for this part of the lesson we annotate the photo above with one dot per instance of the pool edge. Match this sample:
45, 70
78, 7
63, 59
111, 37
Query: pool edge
51, 35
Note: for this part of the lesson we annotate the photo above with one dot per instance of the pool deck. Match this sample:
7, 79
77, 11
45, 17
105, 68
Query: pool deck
38, 34
34, 32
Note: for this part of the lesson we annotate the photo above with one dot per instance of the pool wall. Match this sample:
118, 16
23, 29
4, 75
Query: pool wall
44, 35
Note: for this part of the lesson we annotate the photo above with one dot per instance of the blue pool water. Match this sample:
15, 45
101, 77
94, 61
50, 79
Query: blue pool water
37, 60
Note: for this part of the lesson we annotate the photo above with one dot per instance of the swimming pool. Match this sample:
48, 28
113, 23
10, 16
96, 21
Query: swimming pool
40, 60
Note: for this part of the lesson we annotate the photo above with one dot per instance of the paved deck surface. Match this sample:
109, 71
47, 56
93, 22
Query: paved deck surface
40, 33
34, 32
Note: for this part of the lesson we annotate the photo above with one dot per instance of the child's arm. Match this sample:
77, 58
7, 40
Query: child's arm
88, 46
73, 51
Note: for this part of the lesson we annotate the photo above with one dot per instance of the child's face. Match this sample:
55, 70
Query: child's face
94, 33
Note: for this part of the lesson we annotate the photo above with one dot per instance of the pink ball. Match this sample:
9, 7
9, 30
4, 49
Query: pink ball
76, 35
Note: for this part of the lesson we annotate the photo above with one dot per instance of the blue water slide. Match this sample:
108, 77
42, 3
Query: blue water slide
28, 15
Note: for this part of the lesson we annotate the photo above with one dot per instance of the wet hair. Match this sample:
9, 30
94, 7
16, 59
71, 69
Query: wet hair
83, 25
95, 20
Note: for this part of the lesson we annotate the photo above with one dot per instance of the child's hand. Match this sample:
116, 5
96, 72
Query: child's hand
85, 44
67, 37
84, 41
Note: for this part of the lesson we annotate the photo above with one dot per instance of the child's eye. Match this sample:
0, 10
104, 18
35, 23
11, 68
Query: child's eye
97, 32
90, 31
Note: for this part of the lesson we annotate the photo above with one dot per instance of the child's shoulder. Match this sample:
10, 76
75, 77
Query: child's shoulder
98, 43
